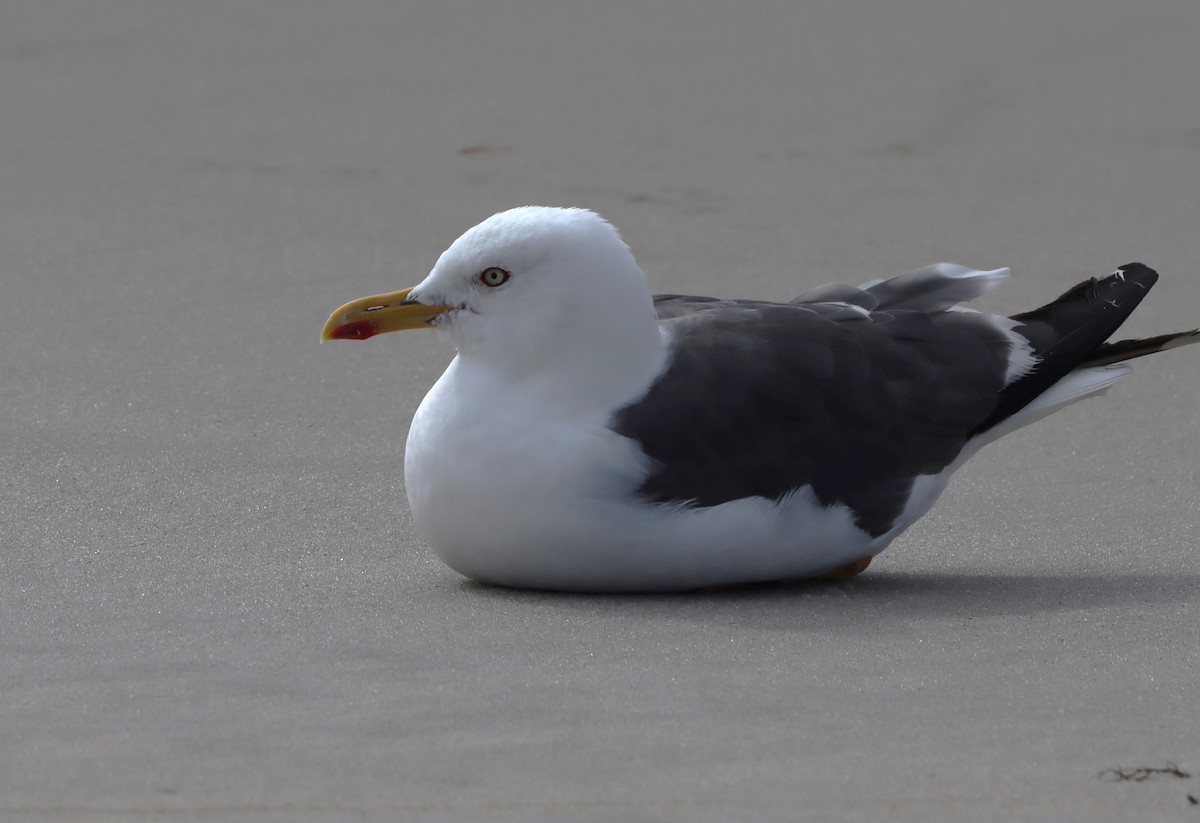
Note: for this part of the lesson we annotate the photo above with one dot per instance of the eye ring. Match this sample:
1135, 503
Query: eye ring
493, 276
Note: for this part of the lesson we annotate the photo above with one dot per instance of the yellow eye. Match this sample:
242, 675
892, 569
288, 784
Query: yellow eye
493, 277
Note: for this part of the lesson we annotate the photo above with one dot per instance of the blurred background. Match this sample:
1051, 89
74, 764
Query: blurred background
214, 601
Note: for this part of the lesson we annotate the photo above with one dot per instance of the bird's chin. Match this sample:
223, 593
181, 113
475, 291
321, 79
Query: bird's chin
446, 320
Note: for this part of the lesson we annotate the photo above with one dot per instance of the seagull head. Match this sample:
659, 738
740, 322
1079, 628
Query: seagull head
528, 291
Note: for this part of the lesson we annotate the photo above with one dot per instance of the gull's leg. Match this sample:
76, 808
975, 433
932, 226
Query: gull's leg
848, 570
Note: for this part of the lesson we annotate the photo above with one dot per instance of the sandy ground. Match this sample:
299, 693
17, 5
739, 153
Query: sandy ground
214, 603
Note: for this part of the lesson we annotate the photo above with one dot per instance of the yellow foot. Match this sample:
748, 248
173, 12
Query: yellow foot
849, 570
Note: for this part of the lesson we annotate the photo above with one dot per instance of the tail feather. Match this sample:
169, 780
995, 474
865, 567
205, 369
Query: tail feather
1128, 349
1077, 385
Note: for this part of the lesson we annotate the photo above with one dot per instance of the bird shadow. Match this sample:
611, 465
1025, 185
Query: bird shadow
887, 595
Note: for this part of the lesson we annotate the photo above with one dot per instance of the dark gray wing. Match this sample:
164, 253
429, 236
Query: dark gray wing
853, 392
761, 399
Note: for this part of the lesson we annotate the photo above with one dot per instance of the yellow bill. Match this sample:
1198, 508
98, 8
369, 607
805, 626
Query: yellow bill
379, 314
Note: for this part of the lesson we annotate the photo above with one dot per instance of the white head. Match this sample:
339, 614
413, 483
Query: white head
540, 295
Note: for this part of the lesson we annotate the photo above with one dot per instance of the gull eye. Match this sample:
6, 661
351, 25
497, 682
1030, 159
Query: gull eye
493, 277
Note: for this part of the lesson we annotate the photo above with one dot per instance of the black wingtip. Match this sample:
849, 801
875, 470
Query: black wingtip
1068, 331
1137, 273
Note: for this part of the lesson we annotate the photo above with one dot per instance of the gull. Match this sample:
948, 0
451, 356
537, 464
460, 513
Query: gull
591, 436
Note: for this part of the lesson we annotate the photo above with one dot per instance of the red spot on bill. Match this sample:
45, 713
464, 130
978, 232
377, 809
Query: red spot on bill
356, 330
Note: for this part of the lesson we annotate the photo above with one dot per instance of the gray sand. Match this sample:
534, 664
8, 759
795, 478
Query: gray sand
213, 600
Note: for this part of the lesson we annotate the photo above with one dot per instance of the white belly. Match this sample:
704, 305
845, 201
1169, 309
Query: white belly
540, 503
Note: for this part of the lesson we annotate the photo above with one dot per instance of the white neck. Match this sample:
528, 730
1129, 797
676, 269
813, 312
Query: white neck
582, 373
